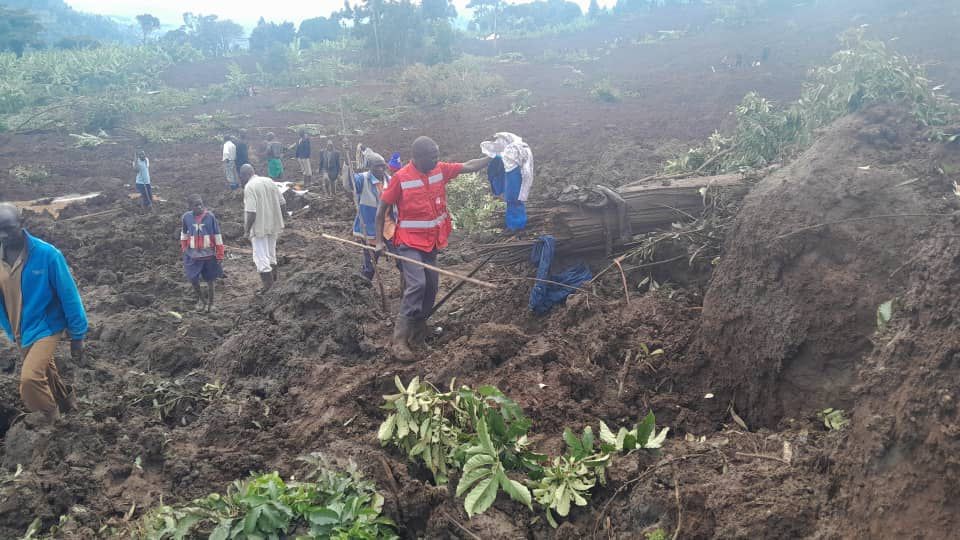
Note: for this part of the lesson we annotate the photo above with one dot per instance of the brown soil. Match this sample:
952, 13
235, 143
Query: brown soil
785, 327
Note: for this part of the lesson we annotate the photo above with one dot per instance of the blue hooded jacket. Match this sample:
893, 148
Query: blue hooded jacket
51, 301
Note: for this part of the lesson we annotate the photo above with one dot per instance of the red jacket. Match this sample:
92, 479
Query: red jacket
421, 199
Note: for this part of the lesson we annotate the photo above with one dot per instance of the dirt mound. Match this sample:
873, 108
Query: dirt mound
790, 320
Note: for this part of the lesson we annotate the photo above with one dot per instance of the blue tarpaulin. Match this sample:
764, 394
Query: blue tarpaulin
546, 295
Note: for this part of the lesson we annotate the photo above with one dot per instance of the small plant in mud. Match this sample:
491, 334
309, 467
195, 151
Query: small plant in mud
605, 91
471, 205
884, 314
833, 419
327, 504
658, 534
172, 398
483, 433
29, 174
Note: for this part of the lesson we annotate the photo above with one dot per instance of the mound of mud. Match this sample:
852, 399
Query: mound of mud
790, 327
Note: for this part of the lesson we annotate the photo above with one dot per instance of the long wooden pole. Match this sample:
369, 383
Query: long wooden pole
458, 285
413, 261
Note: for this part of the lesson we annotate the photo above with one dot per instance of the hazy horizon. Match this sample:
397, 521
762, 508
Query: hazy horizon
171, 12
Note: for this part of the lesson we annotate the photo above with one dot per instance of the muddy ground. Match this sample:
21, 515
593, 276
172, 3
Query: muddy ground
784, 327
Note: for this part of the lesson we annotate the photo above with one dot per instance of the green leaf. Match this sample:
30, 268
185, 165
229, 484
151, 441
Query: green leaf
324, 516
573, 443
551, 520
479, 460
657, 442
588, 439
884, 314
481, 497
563, 503
396, 381
250, 521
470, 478
516, 491
222, 532
606, 435
484, 437
645, 428
387, 428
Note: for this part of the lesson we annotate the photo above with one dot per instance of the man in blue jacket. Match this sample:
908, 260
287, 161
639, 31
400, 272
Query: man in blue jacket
39, 301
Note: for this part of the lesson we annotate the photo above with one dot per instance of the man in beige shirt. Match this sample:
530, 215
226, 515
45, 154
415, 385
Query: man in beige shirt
263, 206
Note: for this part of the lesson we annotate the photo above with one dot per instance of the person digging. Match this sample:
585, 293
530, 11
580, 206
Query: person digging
203, 250
40, 304
419, 192
263, 206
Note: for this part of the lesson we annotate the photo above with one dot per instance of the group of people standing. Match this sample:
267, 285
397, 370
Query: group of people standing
236, 155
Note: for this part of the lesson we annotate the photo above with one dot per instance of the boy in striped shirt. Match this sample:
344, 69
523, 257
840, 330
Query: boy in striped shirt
203, 249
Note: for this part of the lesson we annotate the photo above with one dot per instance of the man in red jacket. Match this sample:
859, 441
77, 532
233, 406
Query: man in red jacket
419, 192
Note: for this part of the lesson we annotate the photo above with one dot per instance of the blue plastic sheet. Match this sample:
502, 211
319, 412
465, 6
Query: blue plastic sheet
546, 295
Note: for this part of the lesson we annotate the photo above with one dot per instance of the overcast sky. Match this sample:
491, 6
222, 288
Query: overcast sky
242, 11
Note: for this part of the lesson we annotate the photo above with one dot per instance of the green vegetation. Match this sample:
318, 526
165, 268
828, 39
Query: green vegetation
327, 504
604, 90
483, 433
463, 80
864, 72
884, 314
833, 419
470, 203
29, 174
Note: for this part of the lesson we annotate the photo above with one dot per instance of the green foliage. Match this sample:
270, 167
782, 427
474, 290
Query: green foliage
658, 534
483, 433
864, 72
327, 504
148, 25
470, 203
643, 436
604, 90
19, 29
462, 80
833, 419
884, 314
29, 174
170, 130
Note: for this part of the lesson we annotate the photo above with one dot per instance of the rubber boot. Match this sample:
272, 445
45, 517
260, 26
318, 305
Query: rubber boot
418, 336
276, 273
267, 279
209, 306
402, 332
198, 297
68, 402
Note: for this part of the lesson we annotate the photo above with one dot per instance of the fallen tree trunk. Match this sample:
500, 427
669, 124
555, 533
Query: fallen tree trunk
600, 220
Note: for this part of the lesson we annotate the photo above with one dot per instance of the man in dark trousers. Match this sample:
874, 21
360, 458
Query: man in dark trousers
39, 304
203, 249
419, 192
331, 165
303, 157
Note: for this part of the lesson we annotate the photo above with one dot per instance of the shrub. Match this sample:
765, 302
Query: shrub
29, 174
605, 91
444, 84
471, 204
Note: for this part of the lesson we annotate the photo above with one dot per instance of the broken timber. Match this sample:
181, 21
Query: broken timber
601, 221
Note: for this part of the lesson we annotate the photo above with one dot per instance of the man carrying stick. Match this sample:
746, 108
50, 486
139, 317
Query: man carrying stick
419, 192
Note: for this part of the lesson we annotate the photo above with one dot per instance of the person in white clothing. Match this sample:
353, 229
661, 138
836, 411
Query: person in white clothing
263, 206
230, 162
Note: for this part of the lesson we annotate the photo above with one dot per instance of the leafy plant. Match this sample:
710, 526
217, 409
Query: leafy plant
833, 419
884, 314
658, 534
643, 435
330, 504
484, 472
420, 426
29, 174
463, 80
566, 481
604, 90
471, 205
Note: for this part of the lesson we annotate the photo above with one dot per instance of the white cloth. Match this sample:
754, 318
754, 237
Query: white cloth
514, 153
229, 151
262, 196
264, 252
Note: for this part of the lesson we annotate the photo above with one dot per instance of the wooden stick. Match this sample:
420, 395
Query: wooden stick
413, 261
105, 212
460, 284
851, 220
461, 527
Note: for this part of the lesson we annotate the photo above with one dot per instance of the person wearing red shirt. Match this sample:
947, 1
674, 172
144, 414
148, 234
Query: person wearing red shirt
419, 192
